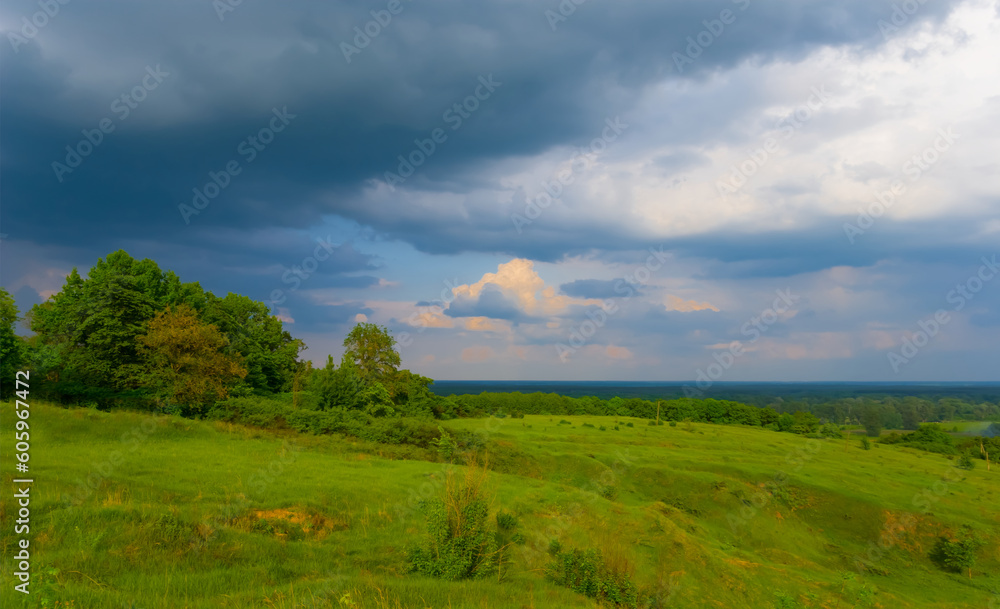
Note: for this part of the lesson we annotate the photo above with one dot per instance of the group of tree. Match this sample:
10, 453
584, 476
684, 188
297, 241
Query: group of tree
131, 334
368, 379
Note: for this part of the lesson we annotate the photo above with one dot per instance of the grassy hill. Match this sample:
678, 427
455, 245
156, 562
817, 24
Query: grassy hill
130, 510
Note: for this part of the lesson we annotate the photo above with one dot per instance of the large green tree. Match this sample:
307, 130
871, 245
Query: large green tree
339, 388
186, 361
872, 418
12, 347
94, 323
88, 334
373, 350
269, 353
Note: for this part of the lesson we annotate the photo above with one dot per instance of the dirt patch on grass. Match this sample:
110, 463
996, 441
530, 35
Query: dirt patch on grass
284, 522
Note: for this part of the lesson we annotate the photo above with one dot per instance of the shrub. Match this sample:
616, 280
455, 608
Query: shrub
957, 554
462, 541
629, 424
586, 425
865, 443
603, 428
170, 529
275, 413
506, 521
446, 445
930, 438
830, 431
966, 462
673, 423
586, 572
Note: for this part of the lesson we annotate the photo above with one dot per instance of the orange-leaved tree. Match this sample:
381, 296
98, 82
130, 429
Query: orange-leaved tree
186, 359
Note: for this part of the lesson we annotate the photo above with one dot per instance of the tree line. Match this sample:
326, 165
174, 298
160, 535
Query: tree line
130, 334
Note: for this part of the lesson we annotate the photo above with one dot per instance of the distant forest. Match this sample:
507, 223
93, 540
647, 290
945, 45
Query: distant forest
755, 393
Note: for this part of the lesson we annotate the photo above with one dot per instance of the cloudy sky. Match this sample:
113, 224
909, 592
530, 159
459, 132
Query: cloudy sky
628, 190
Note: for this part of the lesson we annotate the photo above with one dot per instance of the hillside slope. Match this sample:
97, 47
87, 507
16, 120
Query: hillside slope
130, 510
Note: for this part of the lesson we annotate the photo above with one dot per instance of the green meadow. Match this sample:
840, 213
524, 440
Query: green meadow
158, 512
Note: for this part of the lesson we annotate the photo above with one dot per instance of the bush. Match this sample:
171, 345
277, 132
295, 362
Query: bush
673, 423
830, 431
966, 462
446, 445
586, 572
276, 413
930, 438
865, 443
462, 541
629, 424
957, 554
506, 521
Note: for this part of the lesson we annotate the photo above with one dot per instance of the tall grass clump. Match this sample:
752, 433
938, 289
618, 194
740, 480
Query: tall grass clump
462, 538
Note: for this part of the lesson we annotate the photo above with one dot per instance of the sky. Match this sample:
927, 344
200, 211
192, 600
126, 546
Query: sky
710, 191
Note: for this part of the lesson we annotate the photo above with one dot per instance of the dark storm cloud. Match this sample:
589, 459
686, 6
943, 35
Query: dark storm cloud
351, 119
732, 254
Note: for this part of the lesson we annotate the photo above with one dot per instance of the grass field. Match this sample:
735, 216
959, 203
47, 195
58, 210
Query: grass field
129, 510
